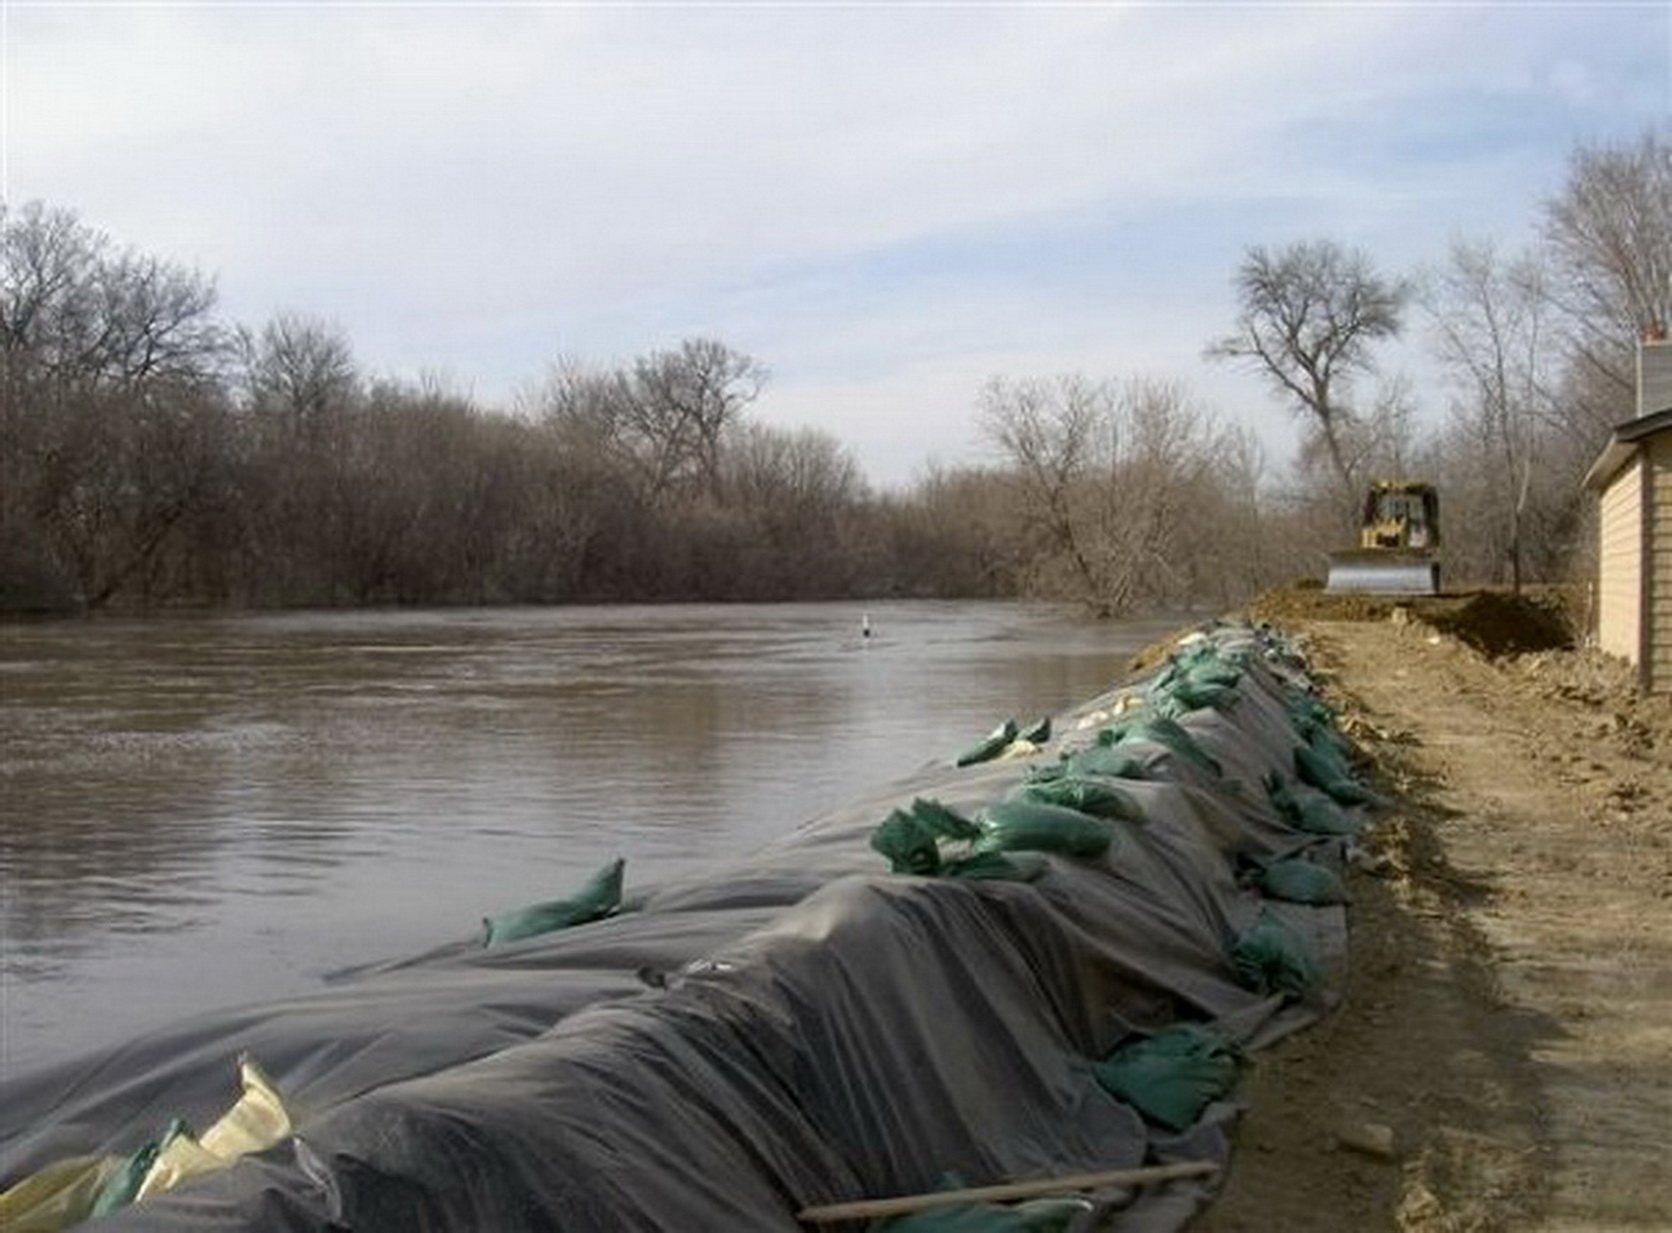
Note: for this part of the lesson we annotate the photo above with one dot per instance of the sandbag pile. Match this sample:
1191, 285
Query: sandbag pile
1042, 960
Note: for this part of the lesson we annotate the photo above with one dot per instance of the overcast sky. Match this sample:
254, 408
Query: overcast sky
885, 203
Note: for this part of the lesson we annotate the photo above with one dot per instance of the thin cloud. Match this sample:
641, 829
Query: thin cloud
885, 203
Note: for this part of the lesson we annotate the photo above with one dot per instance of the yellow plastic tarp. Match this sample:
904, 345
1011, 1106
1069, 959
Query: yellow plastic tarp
58, 1196
66, 1192
257, 1121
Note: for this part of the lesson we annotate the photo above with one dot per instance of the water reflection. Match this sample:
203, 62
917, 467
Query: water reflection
195, 812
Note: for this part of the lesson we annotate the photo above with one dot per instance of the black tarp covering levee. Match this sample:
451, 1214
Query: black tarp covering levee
794, 1028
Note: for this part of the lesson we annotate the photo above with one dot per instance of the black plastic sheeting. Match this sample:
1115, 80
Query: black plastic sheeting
795, 1028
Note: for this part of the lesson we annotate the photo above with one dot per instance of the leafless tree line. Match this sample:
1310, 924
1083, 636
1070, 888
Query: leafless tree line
1540, 343
1131, 496
1536, 347
1123, 497
155, 455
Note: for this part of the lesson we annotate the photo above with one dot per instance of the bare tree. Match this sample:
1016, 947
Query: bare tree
300, 372
109, 405
1489, 317
1237, 544
1114, 487
949, 534
666, 416
148, 461
796, 494
78, 312
302, 391
792, 478
1046, 431
1309, 314
1609, 233
680, 404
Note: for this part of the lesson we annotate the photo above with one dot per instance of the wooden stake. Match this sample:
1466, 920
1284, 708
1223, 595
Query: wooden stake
872, 1209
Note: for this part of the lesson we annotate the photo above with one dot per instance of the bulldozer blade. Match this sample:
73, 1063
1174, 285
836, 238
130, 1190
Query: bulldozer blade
1383, 574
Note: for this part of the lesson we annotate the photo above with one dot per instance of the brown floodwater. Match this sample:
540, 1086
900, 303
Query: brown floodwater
201, 812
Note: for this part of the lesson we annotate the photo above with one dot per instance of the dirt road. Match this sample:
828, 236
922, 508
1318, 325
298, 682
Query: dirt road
1504, 1056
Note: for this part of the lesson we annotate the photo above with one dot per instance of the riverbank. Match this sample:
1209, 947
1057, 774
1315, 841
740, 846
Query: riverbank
951, 974
1503, 1059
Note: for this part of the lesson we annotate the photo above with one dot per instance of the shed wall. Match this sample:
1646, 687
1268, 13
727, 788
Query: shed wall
1658, 605
1620, 564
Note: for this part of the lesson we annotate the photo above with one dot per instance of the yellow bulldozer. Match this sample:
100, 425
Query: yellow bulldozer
1399, 543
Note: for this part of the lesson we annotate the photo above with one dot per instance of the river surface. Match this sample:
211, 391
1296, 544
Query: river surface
201, 812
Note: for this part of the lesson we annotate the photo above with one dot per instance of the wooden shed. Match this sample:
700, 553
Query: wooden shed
1632, 478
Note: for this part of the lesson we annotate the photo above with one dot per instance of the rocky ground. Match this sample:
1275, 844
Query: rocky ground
1503, 1058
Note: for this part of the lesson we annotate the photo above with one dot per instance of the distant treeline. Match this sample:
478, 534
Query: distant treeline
156, 456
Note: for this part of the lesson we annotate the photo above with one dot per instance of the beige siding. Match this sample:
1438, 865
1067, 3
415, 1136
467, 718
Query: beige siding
1619, 563
1658, 474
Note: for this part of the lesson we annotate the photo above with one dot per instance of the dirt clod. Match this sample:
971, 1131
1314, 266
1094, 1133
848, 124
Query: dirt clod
1367, 1138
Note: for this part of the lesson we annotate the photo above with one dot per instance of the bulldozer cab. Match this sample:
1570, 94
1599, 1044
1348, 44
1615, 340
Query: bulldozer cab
1400, 516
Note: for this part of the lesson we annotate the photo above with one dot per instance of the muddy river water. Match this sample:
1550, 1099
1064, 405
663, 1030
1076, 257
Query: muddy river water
205, 811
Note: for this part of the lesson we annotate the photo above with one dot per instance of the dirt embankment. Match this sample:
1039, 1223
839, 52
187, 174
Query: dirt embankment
1503, 1058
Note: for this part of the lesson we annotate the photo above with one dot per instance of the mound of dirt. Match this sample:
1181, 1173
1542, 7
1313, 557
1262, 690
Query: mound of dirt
1308, 601
1495, 623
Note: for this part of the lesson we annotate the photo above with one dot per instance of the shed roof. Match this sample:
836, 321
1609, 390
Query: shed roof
1623, 444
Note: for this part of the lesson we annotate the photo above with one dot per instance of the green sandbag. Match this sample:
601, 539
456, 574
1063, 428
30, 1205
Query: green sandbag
1270, 957
1183, 696
1310, 714
996, 867
1333, 741
598, 898
1317, 726
1206, 664
910, 838
1195, 680
1172, 1076
1218, 672
1100, 760
1036, 733
1163, 731
909, 844
946, 823
1316, 813
1331, 753
1352, 792
1319, 761
990, 746
1205, 674
1093, 796
1329, 773
1297, 880
123, 1184
1308, 809
1017, 825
